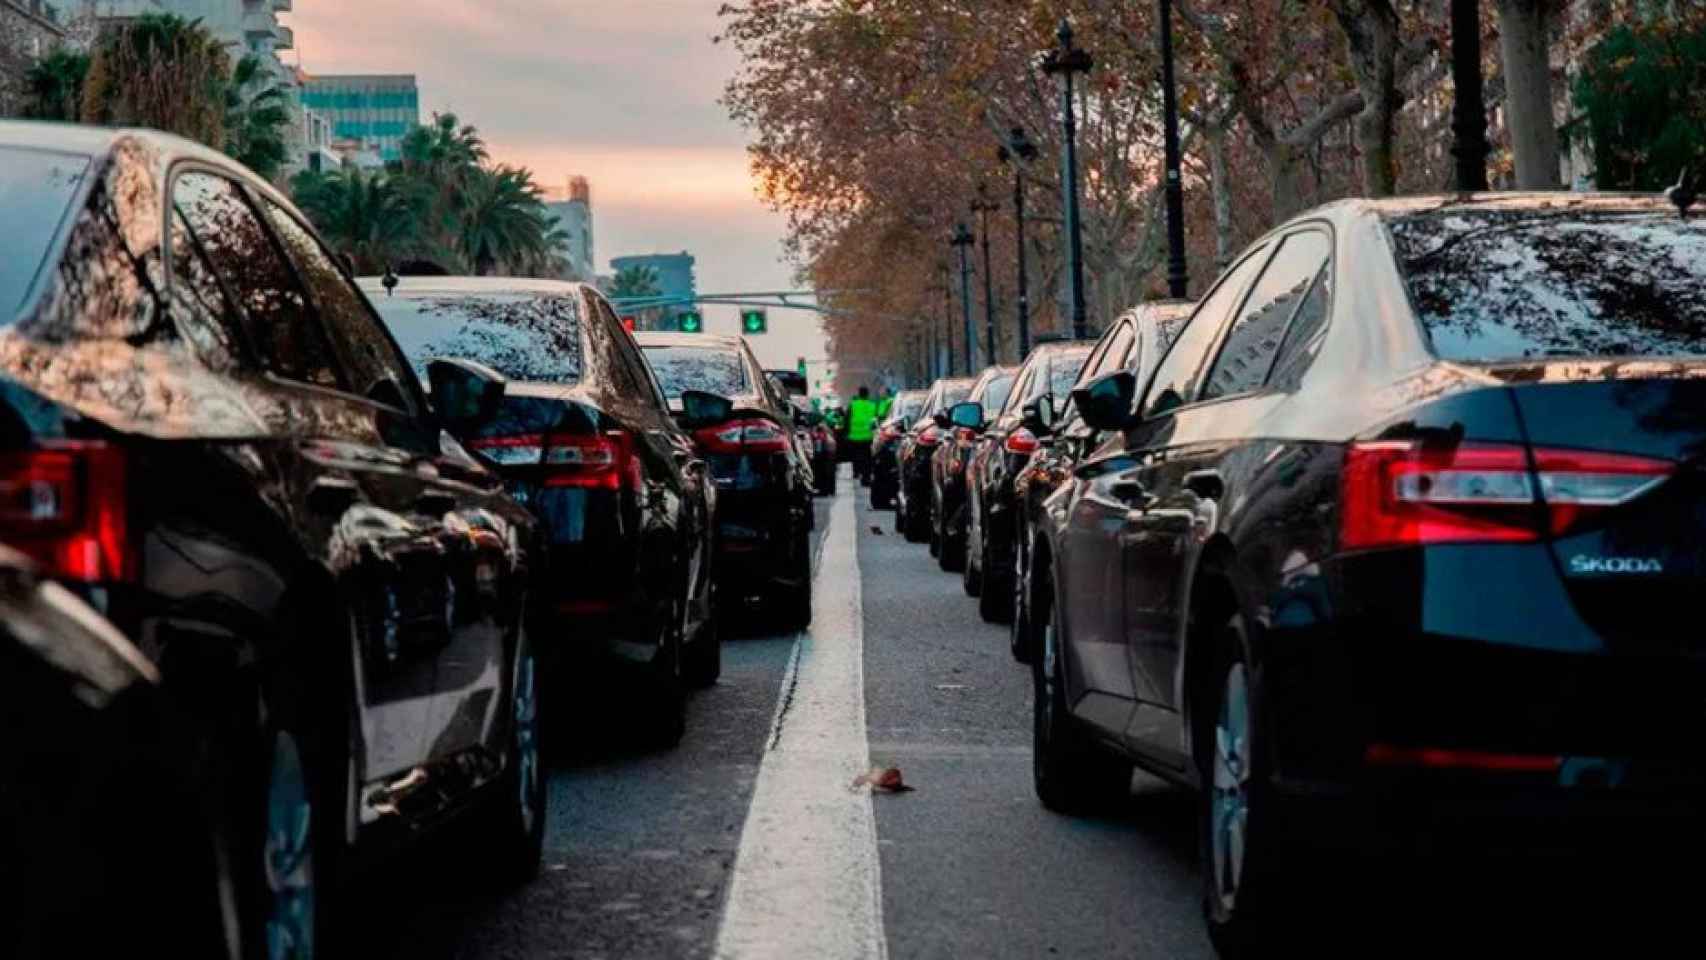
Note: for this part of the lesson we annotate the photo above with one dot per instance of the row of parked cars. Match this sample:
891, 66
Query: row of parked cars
298, 563
1390, 542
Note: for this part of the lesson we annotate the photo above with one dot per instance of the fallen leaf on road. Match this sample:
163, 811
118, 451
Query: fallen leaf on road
882, 780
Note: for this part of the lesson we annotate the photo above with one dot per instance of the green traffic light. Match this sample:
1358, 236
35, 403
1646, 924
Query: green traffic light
753, 321
692, 322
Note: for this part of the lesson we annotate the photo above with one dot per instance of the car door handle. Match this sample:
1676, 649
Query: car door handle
1131, 492
1205, 484
332, 495
435, 503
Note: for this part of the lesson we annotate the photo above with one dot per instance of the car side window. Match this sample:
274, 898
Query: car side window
1177, 377
624, 363
1108, 357
1303, 338
273, 308
375, 368
199, 304
1254, 339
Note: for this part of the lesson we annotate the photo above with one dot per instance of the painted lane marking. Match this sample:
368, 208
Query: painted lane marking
806, 880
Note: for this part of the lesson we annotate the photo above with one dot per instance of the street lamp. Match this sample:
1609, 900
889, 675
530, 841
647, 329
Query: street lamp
983, 207
1178, 281
1019, 150
1065, 61
962, 239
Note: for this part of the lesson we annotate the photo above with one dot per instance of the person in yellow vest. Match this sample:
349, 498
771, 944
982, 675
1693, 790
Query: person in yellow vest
861, 426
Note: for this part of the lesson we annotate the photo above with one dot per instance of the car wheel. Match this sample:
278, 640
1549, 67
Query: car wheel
1071, 772
995, 601
971, 574
705, 655
513, 828
1239, 837
935, 531
1019, 639
951, 556
666, 720
794, 601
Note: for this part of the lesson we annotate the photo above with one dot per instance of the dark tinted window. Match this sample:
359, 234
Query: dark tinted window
375, 371
717, 370
1255, 337
35, 190
1106, 356
1303, 339
1502, 285
1175, 379
1063, 370
995, 394
274, 311
199, 303
523, 336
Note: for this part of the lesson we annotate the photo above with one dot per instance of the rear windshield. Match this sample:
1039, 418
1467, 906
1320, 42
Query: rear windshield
953, 393
1502, 286
1063, 371
906, 408
522, 336
995, 394
708, 370
36, 187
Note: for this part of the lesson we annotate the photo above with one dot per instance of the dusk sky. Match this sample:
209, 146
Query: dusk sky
623, 92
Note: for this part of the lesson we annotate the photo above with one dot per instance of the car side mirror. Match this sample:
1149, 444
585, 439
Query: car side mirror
701, 409
1038, 415
1105, 403
968, 415
465, 395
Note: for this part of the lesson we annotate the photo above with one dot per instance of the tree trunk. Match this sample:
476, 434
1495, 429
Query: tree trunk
1371, 32
1283, 162
1525, 42
1222, 196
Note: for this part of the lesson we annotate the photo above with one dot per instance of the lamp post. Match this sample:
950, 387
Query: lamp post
962, 239
946, 361
983, 207
1019, 150
1178, 281
1065, 61
1469, 108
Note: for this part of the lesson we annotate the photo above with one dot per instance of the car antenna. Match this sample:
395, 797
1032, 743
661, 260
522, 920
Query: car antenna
389, 280
1683, 193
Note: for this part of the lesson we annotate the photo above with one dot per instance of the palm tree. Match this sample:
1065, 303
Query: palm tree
257, 113
53, 87
363, 215
503, 221
160, 71
444, 149
633, 283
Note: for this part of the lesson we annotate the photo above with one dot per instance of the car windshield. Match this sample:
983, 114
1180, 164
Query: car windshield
36, 188
995, 394
707, 369
522, 336
1502, 286
1063, 370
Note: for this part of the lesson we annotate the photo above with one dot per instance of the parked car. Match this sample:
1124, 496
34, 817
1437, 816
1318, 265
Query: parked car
885, 446
763, 478
793, 382
1135, 342
912, 458
211, 440
1396, 541
1003, 448
817, 442
949, 461
585, 440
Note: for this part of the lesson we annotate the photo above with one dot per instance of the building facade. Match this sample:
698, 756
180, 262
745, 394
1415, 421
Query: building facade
572, 210
29, 29
674, 278
374, 110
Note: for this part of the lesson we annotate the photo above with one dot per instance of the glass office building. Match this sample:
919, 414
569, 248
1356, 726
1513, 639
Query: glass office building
372, 110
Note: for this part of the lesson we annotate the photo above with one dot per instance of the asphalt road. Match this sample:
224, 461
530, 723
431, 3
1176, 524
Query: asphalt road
749, 836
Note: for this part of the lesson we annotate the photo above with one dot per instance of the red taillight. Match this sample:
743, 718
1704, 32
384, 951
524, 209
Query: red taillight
595, 461
1405, 494
65, 506
743, 436
1021, 441
964, 437
1386, 755
931, 436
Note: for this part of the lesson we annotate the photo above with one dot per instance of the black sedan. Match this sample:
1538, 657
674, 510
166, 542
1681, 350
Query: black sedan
1135, 342
885, 446
948, 465
912, 458
763, 478
584, 439
1003, 448
1401, 538
210, 437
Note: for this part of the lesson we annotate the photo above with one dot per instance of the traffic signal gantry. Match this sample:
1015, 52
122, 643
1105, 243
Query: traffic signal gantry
753, 321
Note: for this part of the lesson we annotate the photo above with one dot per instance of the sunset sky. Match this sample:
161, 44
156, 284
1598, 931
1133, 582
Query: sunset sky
623, 92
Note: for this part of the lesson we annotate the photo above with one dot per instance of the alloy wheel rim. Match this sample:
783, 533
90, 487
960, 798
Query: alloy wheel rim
1229, 802
288, 856
527, 739
1045, 693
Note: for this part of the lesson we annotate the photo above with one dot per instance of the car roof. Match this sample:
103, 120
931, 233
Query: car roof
70, 137
468, 286
672, 338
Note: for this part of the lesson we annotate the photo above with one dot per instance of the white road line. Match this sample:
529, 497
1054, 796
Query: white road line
807, 879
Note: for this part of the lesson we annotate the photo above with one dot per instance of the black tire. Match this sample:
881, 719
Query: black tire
705, 655
665, 721
1242, 922
1071, 772
509, 832
825, 480
793, 601
995, 600
916, 523
951, 555
935, 530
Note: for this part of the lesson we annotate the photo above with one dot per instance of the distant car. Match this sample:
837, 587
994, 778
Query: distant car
817, 441
912, 458
948, 465
793, 382
1135, 342
1401, 540
584, 438
213, 442
885, 447
1003, 448
763, 478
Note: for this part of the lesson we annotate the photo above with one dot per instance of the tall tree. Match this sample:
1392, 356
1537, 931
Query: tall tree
1525, 40
503, 223
1640, 89
257, 118
635, 283
53, 86
364, 216
160, 71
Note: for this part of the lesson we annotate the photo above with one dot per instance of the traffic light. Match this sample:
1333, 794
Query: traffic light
754, 321
692, 321
800, 365
628, 324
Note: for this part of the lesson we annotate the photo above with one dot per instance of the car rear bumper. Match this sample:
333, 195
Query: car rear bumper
755, 539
